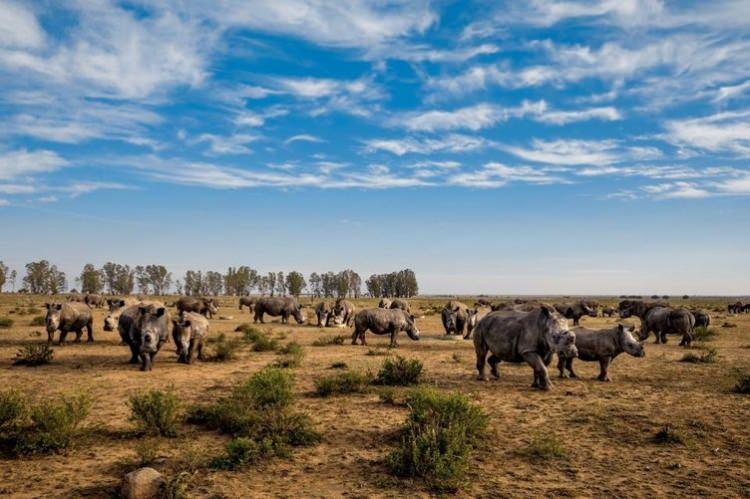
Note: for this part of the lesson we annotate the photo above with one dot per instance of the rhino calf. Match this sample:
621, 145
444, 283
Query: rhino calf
384, 321
608, 311
601, 345
67, 317
458, 318
575, 311
189, 331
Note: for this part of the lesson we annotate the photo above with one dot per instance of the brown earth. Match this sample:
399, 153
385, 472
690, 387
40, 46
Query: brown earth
606, 430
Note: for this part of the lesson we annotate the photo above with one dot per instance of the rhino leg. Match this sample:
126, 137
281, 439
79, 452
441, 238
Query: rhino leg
603, 367
200, 350
90, 331
493, 362
569, 367
541, 376
576, 321
394, 332
191, 352
50, 337
133, 353
145, 362
63, 334
481, 351
561, 361
79, 334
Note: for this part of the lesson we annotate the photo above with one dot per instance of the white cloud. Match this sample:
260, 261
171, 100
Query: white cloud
737, 186
567, 152
426, 53
258, 119
732, 91
232, 144
303, 138
450, 143
677, 190
22, 163
727, 132
494, 175
19, 27
564, 117
4, 202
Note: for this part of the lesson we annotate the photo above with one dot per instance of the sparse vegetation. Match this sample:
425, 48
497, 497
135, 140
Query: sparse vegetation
6, 323
704, 334
742, 384
263, 343
437, 438
341, 383
34, 354
544, 447
376, 352
398, 371
709, 356
290, 355
38, 321
339, 365
325, 341
249, 332
224, 349
156, 412
669, 435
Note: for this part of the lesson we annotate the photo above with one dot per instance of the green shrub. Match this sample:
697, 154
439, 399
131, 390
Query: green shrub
249, 332
345, 382
175, 487
376, 352
6, 322
264, 344
239, 452
224, 350
268, 387
544, 447
669, 435
704, 334
290, 355
437, 438
743, 383
156, 412
325, 341
34, 354
709, 356
38, 321
147, 451
399, 371
32, 310
54, 425
13, 409
387, 396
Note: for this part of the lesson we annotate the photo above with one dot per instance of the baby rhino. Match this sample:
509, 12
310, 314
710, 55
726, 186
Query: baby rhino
602, 345
189, 332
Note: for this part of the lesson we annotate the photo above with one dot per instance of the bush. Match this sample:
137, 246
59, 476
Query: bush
709, 356
703, 334
32, 310
6, 322
325, 341
249, 332
38, 321
12, 409
34, 354
290, 355
376, 352
544, 447
239, 452
668, 435
743, 383
399, 371
53, 426
387, 396
345, 382
269, 387
224, 350
264, 344
339, 365
437, 438
156, 412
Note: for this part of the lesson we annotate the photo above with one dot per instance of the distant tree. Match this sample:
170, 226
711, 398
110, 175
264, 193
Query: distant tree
214, 283
264, 284
193, 282
315, 285
271, 282
142, 279
374, 286
280, 284
91, 279
13, 276
295, 283
159, 278
4, 274
43, 278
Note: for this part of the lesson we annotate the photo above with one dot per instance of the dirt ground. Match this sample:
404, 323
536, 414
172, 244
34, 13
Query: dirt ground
606, 429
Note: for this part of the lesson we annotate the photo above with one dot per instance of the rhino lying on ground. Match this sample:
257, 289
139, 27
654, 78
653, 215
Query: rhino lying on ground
601, 345
384, 321
149, 330
401, 304
384, 303
247, 301
205, 306
189, 331
660, 319
343, 312
518, 336
284, 306
575, 311
458, 318
67, 317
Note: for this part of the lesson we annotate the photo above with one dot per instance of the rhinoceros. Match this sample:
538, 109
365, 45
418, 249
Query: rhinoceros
70, 316
205, 306
518, 336
458, 318
94, 300
601, 345
661, 319
343, 312
247, 301
608, 311
322, 313
149, 330
284, 306
189, 331
702, 318
384, 321
401, 304
384, 303
575, 311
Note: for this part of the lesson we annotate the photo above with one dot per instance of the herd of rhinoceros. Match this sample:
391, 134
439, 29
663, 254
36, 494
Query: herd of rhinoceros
519, 331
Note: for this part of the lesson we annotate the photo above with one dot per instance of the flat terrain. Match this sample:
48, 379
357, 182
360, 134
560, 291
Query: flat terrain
606, 430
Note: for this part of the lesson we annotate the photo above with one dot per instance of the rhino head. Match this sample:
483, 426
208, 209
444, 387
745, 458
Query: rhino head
411, 327
629, 344
182, 332
151, 327
299, 316
52, 319
563, 340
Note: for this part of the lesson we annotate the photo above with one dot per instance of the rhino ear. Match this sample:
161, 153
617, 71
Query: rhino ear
58, 306
142, 309
621, 328
47, 306
546, 312
160, 311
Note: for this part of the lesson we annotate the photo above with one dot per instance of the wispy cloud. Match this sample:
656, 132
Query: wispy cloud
303, 137
21, 163
727, 132
450, 143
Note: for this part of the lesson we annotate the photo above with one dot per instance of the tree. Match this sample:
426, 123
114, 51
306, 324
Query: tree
118, 279
159, 278
240, 280
213, 283
193, 282
315, 285
280, 284
295, 283
402, 284
141, 278
271, 282
43, 278
4, 271
91, 279
13, 276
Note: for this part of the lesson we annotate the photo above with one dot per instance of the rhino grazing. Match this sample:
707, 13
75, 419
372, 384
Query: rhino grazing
205, 306
384, 321
601, 345
149, 330
343, 312
67, 317
702, 317
401, 304
284, 306
384, 303
247, 301
189, 331
458, 318
518, 336
661, 319
575, 310
323, 313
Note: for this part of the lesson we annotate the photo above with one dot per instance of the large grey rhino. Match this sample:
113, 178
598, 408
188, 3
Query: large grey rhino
660, 319
205, 306
384, 303
401, 304
601, 345
323, 313
149, 330
384, 321
702, 317
67, 317
247, 301
125, 320
343, 312
284, 306
575, 311
189, 331
518, 336
458, 318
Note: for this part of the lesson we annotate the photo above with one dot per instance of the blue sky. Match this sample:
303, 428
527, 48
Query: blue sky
494, 147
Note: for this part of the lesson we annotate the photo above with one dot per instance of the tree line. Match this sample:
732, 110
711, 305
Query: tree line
42, 277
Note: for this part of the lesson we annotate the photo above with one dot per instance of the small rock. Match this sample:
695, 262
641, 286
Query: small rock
143, 483
225, 317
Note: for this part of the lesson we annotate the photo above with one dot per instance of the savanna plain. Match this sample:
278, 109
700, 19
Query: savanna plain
662, 427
